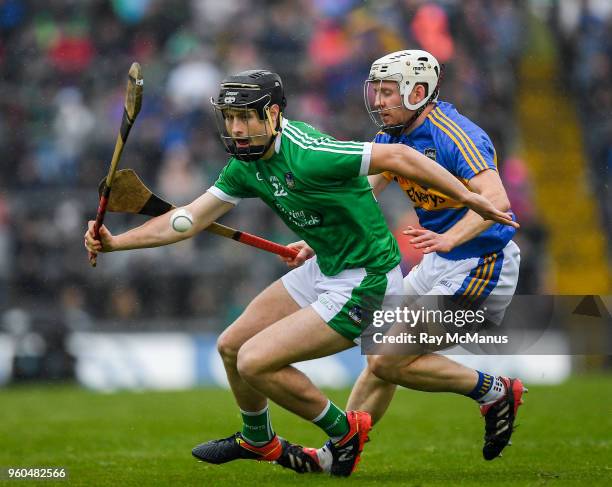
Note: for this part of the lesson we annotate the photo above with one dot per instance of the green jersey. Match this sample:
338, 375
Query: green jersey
318, 186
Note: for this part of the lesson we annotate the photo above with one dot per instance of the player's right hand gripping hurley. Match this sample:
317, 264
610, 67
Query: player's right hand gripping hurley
133, 102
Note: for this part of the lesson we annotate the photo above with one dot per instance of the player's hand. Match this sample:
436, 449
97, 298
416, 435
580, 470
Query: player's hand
305, 253
428, 241
105, 244
485, 209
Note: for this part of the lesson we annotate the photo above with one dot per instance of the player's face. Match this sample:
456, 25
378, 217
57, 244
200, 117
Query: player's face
245, 127
388, 101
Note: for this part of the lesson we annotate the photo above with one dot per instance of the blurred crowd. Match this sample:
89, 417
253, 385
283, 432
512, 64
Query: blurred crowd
584, 29
63, 66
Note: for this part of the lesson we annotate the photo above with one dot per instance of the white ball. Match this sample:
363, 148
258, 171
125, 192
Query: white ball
181, 220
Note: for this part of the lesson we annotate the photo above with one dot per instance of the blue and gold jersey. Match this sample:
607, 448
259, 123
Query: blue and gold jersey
464, 149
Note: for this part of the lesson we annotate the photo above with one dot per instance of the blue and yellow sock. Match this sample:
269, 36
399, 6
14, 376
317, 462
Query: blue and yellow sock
488, 388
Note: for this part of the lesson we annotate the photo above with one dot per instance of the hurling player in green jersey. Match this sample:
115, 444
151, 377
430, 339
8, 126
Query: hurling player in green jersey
318, 187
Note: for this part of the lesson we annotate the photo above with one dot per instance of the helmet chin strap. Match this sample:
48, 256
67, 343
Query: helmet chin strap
274, 129
397, 130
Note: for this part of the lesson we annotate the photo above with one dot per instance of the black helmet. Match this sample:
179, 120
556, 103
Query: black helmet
254, 89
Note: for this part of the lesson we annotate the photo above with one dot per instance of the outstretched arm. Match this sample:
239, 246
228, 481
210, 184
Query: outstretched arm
157, 231
405, 161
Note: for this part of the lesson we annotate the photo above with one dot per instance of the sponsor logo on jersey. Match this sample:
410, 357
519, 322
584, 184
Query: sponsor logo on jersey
355, 314
422, 198
300, 218
290, 180
431, 153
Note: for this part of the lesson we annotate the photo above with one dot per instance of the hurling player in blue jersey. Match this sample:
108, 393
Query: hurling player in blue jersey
465, 256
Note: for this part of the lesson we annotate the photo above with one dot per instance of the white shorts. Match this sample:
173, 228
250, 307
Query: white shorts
343, 300
475, 279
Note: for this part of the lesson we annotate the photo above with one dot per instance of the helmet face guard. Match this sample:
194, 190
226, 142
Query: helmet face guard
258, 141
371, 93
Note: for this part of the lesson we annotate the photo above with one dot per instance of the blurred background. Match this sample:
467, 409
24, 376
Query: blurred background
536, 75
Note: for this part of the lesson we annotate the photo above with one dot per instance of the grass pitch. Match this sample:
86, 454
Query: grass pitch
141, 439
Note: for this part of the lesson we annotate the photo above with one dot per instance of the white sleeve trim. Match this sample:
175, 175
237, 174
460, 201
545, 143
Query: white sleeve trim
365, 159
223, 196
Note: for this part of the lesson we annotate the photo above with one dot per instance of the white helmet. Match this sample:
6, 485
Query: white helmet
407, 68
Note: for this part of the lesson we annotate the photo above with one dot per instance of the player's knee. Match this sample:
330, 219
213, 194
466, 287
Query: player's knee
393, 368
381, 367
228, 346
250, 363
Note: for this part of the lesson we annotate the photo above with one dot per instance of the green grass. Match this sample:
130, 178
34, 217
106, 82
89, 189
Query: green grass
142, 439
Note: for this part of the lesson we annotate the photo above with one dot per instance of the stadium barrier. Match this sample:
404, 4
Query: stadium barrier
167, 361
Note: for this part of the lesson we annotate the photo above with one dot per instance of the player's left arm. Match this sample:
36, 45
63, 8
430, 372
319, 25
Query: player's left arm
486, 183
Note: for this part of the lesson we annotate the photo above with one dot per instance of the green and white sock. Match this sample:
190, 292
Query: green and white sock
256, 427
333, 421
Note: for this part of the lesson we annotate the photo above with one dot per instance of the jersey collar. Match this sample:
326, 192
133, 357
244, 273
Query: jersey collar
415, 133
277, 141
